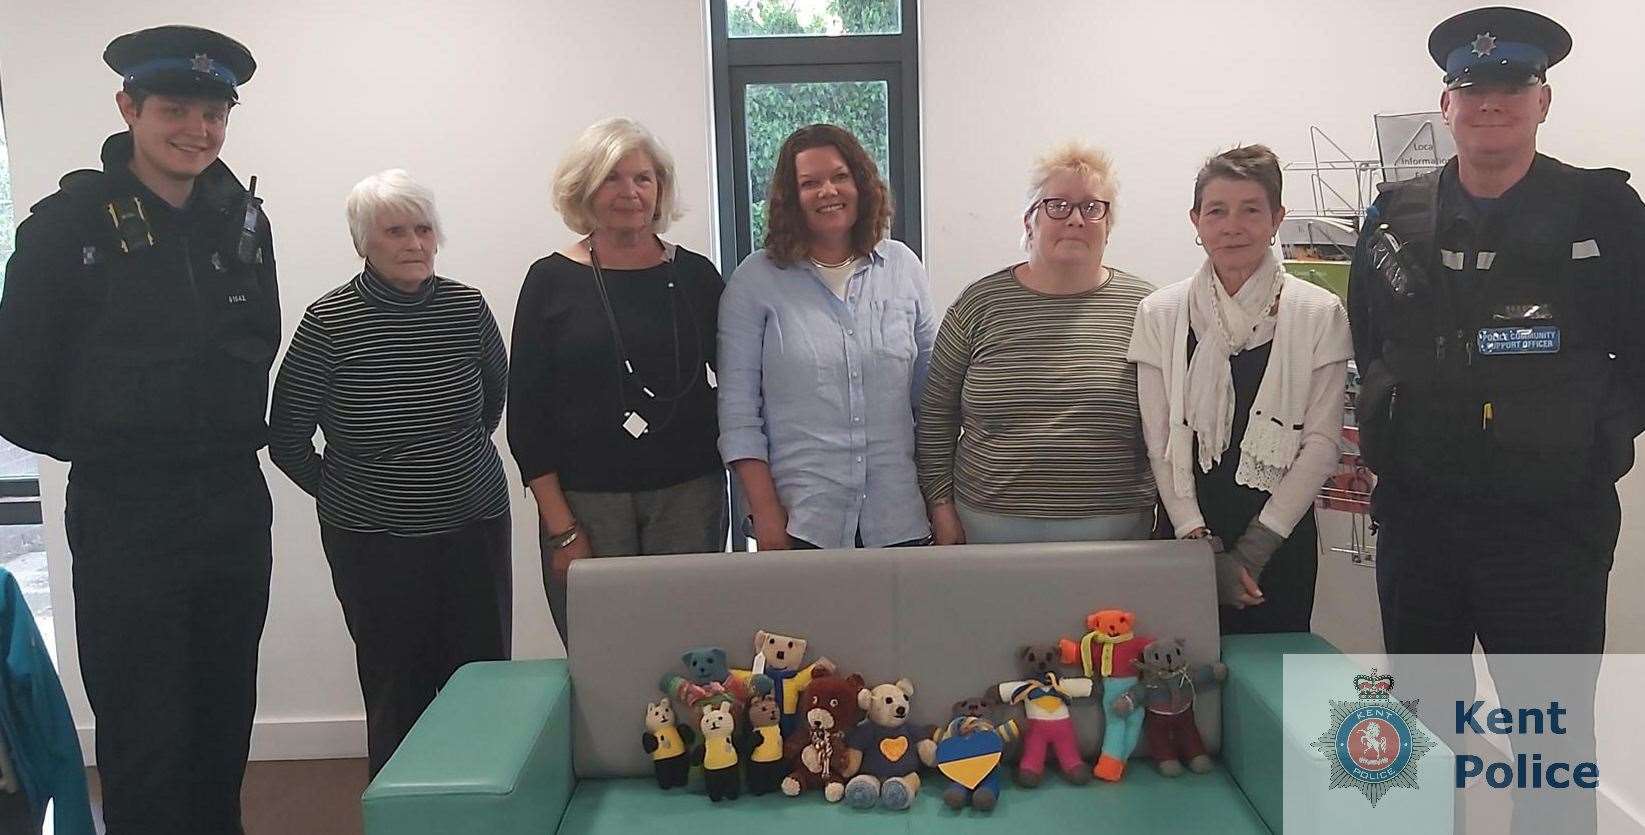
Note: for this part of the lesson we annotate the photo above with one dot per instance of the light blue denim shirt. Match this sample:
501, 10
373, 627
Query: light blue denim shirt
825, 391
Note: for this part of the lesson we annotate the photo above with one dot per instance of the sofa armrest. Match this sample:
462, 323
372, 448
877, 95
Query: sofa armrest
1253, 729
491, 755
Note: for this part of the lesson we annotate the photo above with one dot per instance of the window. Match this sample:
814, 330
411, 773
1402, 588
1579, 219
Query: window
22, 543
782, 64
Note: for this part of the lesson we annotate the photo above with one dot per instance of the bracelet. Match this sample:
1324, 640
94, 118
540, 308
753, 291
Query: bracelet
565, 537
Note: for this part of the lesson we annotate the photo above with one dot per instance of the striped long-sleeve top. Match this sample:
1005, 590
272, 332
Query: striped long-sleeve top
1030, 408
407, 389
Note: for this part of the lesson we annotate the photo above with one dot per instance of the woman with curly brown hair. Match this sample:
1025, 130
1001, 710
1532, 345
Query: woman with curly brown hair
825, 337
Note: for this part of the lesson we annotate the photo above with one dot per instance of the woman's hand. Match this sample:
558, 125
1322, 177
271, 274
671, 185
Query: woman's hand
579, 548
1235, 586
946, 528
771, 529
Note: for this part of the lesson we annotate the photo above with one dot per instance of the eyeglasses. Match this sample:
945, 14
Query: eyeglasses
1057, 208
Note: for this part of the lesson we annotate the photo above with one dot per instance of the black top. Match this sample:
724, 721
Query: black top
142, 344
569, 392
407, 388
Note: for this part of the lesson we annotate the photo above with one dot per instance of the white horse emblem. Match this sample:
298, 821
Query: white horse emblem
1371, 737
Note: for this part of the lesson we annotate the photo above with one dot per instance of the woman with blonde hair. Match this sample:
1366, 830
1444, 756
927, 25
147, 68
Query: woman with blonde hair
1029, 429
612, 388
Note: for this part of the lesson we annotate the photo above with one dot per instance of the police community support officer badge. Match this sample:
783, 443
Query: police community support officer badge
1372, 743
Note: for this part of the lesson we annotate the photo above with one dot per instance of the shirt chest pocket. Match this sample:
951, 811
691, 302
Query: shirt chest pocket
893, 332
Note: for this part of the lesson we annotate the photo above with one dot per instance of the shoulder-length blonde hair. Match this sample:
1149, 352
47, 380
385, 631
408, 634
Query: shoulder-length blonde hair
786, 236
591, 159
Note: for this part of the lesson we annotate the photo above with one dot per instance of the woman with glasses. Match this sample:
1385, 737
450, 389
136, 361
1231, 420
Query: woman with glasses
1240, 371
1029, 430
825, 334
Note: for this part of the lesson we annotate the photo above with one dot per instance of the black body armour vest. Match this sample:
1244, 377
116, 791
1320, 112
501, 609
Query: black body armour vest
1497, 369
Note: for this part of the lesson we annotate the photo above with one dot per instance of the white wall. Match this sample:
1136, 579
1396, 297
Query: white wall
1162, 85
480, 98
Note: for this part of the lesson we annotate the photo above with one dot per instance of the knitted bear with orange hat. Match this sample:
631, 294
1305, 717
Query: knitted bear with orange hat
1112, 650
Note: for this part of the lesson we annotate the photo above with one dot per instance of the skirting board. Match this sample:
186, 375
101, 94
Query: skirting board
284, 739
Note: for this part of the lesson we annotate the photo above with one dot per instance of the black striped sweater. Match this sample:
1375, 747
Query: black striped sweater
407, 389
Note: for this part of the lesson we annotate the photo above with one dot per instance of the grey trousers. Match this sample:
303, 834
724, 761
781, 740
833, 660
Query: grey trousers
685, 518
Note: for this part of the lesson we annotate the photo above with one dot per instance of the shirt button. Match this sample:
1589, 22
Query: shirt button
859, 459
865, 495
850, 332
856, 420
853, 372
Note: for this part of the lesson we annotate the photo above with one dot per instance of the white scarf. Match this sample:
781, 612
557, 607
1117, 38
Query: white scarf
1201, 391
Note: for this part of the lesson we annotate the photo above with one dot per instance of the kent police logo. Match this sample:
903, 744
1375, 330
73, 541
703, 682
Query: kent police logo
1373, 742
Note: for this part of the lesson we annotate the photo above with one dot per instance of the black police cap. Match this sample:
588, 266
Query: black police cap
1497, 44
181, 60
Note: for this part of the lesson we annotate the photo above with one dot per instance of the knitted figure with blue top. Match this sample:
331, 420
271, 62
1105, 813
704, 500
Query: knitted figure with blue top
970, 750
718, 755
667, 743
1166, 694
1111, 630
1045, 697
892, 750
778, 657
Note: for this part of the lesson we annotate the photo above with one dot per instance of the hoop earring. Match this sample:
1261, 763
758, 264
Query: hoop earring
1198, 242
1273, 240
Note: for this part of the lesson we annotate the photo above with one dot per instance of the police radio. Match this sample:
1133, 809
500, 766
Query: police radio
247, 250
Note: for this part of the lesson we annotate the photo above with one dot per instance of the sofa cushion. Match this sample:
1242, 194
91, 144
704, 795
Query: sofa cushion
1143, 802
948, 618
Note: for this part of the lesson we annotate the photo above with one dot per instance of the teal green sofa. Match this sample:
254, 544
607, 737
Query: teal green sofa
553, 746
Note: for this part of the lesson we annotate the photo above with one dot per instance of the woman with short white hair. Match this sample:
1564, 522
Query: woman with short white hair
1029, 429
613, 423
405, 373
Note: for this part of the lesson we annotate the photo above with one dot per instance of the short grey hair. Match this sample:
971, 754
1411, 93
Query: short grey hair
389, 191
1088, 161
590, 160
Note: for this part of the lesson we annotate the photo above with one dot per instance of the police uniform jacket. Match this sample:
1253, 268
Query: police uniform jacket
135, 334
1502, 343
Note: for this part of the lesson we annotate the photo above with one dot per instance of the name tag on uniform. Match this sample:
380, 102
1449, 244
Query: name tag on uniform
1538, 339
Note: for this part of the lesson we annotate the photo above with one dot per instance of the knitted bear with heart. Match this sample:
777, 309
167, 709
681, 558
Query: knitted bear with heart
1165, 691
1111, 649
1045, 697
892, 750
817, 748
970, 752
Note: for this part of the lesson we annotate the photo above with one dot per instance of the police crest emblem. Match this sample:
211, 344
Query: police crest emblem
1373, 742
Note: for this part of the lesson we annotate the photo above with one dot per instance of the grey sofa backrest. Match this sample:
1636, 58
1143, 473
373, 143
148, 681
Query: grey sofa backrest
950, 619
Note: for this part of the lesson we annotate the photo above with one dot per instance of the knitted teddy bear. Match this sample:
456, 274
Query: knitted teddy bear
778, 657
1045, 697
718, 754
970, 750
766, 765
708, 681
892, 750
667, 743
1111, 630
1165, 692
817, 748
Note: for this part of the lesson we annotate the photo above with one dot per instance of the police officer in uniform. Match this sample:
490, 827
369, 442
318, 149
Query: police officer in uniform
138, 325
1494, 307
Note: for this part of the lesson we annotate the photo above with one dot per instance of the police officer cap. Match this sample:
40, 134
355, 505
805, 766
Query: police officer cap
181, 60
1497, 44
